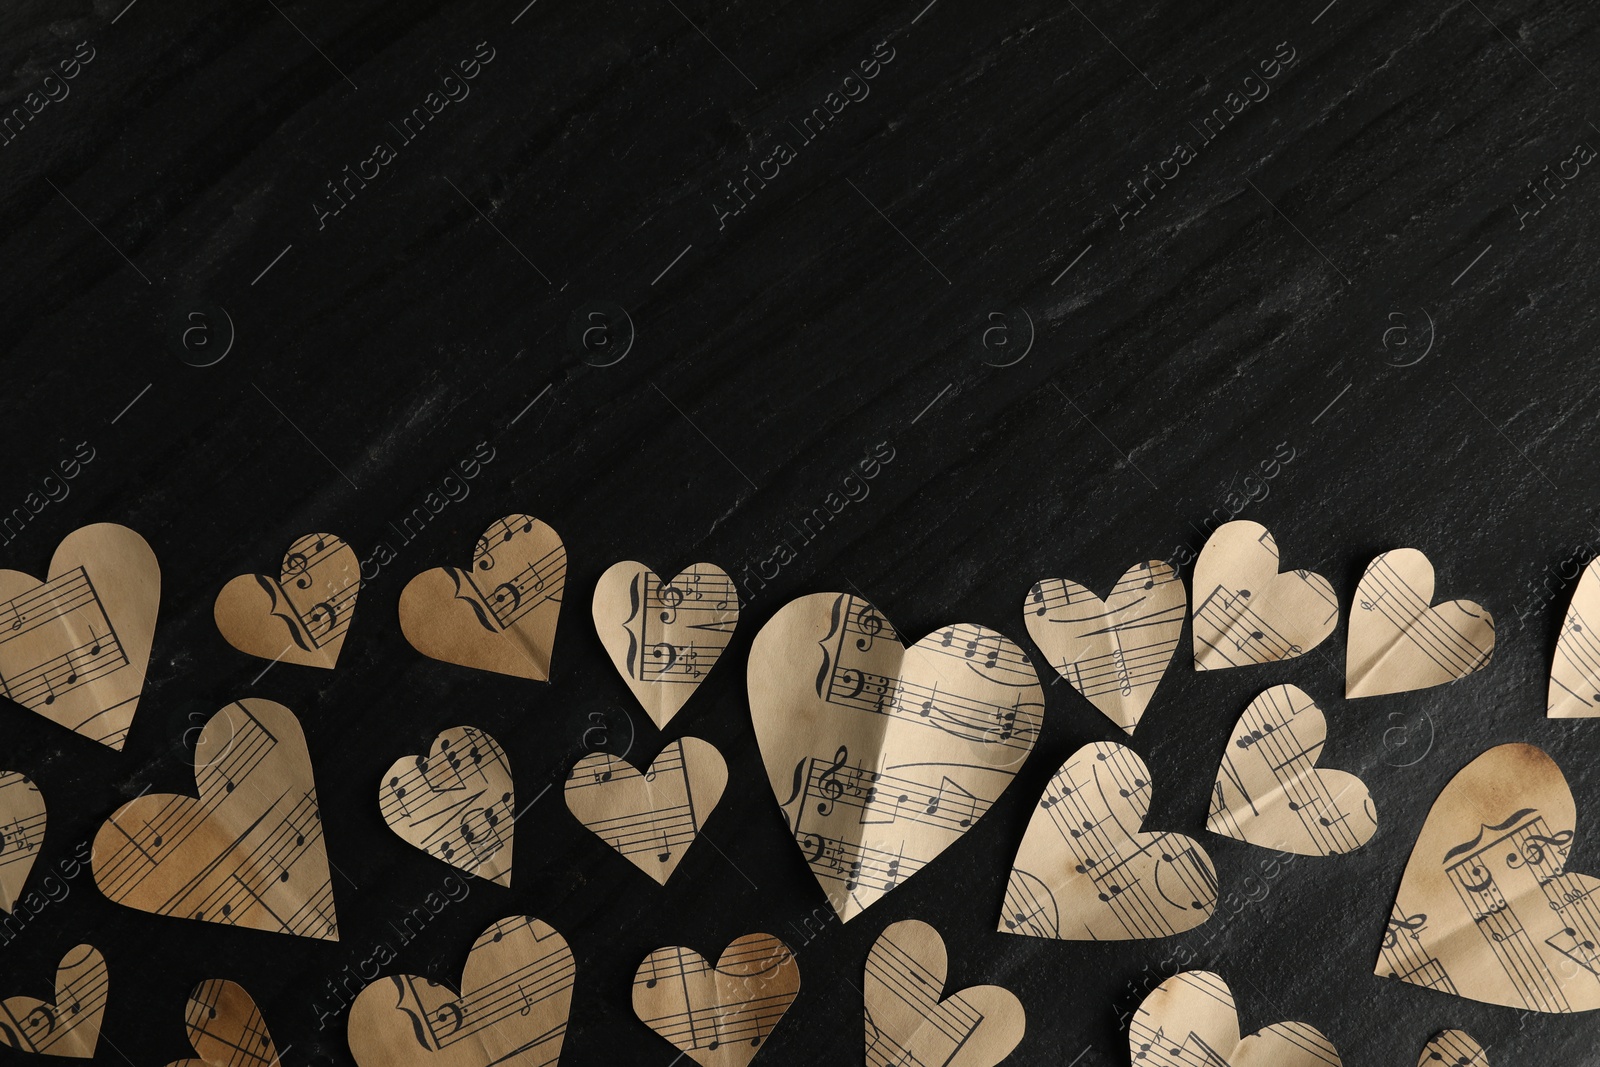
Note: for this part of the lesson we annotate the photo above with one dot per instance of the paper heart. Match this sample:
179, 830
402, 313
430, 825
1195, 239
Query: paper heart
457, 802
651, 818
1247, 611
907, 1023
500, 613
1190, 1019
22, 819
1113, 651
301, 616
1085, 871
665, 636
717, 1016
1270, 792
1453, 1048
516, 994
74, 648
1485, 910
882, 756
248, 852
1575, 671
225, 1028
1398, 642
71, 1025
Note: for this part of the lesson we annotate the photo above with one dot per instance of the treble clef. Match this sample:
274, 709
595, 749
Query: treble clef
670, 597
871, 625
1534, 845
829, 784
1411, 924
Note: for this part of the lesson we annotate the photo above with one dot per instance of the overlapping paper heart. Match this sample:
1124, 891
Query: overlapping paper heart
1575, 671
1246, 611
1398, 642
1453, 1048
717, 1016
225, 1028
456, 802
70, 1026
301, 616
1190, 1019
22, 819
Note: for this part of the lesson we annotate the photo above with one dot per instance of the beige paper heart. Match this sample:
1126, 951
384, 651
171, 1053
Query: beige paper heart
1085, 871
74, 648
248, 852
225, 1028
651, 818
22, 819
1113, 651
516, 994
1270, 792
1190, 1020
456, 802
301, 616
1575, 672
1485, 910
907, 1023
664, 637
500, 613
1398, 642
1246, 611
717, 1016
882, 756
1453, 1048
70, 1026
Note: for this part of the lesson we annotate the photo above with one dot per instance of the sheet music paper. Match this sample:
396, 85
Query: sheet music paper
907, 1022
1270, 792
70, 1024
1190, 1021
516, 993
1398, 642
301, 616
74, 648
717, 1016
1575, 671
1086, 872
1246, 611
882, 756
225, 1028
1113, 651
247, 852
1453, 1048
455, 802
653, 817
1485, 909
22, 818
500, 613
664, 637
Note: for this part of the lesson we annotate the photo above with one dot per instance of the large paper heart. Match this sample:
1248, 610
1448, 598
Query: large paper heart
1190, 1020
500, 613
516, 994
907, 1023
651, 818
71, 1025
1085, 871
74, 648
456, 802
1113, 651
1270, 792
22, 819
1398, 642
1453, 1048
225, 1028
665, 636
1485, 910
1575, 672
882, 756
302, 615
717, 1016
248, 852
1247, 611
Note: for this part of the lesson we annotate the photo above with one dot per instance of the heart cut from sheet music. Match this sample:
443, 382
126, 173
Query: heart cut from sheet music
247, 852
225, 1028
654, 817
1113, 651
907, 1022
1575, 672
74, 648
717, 1016
1191, 1019
1453, 1048
22, 818
1270, 792
1086, 872
1398, 642
71, 1025
516, 994
665, 636
882, 756
301, 616
457, 802
1246, 611
500, 613
1485, 909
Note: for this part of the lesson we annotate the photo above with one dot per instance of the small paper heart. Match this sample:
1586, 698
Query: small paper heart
71, 1025
1575, 672
1190, 1019
1453, 1048
1398, 642
1246, 611
717, 1016
456, 802
225, 1028
302, 615
22, 819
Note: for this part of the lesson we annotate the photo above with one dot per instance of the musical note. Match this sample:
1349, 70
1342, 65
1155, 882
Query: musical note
1453, 1048
458, 807
718, 1016
1401, 641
